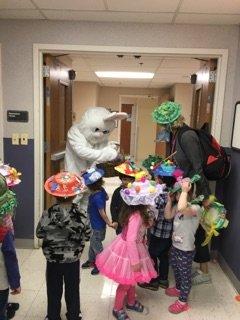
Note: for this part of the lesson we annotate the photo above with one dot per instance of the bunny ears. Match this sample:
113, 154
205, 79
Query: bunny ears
116, 116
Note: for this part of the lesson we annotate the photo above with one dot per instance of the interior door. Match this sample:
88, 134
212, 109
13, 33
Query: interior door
57, 116
125, 137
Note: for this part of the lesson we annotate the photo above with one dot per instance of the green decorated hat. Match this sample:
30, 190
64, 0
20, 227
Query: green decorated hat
7, 198
167, 112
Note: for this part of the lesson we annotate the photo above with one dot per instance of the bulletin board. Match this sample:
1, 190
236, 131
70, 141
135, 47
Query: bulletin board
236, 128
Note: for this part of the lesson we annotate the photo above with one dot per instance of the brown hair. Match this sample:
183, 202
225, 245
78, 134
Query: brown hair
127, 211
96, 185
64, 199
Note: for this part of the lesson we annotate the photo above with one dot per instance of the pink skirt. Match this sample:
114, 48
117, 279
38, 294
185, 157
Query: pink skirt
114, 263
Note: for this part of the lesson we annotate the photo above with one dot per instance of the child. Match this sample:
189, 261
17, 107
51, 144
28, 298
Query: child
126, 259
160, 238
97, 214
126, 173
64, 232
9, 270
12, 177
186, 220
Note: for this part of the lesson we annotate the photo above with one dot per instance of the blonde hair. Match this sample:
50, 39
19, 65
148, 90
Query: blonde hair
179, 122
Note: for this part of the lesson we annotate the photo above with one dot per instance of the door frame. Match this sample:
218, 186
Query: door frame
1, 109
40, 49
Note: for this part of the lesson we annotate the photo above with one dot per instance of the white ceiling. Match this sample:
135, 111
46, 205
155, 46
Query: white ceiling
167, 70
147, 11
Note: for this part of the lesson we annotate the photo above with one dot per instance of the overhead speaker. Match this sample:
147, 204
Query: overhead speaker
193, 78
72, 74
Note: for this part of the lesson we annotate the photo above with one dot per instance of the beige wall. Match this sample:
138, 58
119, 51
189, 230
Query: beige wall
146, 129
183, 94
85, 95
109, 96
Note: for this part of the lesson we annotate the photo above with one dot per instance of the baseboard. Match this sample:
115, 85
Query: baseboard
225, 267
24, 243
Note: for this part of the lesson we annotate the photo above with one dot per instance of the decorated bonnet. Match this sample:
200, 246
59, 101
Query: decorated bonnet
92, 175
213, 219
7, 198
11, 175
150, 162
167, 168
127, 168
141, 191
167, 112
64, 184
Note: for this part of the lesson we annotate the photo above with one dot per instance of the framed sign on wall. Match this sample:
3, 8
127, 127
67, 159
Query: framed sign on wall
236, 128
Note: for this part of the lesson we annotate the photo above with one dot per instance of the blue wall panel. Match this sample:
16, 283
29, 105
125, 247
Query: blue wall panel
22, 157
228, 191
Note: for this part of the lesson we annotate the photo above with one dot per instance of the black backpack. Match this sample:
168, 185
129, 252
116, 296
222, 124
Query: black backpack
216, 163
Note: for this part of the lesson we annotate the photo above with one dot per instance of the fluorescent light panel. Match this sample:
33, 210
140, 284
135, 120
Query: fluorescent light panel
124, 74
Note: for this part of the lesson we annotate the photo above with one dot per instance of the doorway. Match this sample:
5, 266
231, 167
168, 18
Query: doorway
57, 90
40, 49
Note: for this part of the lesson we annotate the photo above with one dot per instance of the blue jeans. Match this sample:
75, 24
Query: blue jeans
3, 304
96, 246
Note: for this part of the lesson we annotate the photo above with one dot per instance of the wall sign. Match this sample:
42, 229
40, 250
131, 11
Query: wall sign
236, 128
17, 116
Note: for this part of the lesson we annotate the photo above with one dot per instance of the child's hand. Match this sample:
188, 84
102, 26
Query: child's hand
16, 291
114, 225
186, 185
136, 267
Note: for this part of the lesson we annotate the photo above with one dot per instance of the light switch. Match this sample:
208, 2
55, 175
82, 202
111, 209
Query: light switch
24, 138
15, 138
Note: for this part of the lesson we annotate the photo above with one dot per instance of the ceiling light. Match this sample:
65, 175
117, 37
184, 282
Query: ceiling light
124, 74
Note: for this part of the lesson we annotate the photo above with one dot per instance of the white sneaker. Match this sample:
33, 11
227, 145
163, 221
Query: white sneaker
201, 278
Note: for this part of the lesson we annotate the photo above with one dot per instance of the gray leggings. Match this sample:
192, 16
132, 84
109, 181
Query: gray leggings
181, 262
96, 244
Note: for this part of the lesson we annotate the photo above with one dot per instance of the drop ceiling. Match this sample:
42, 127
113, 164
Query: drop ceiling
145, 11
167, 70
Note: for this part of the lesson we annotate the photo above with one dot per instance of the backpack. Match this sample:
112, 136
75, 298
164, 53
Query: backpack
216, 163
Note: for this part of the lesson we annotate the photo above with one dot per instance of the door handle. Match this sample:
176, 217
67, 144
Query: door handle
58, 156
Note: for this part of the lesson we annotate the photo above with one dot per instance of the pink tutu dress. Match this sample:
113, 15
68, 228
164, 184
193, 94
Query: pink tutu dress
128, 249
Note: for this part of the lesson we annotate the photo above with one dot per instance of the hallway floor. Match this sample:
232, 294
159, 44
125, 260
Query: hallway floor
208, 302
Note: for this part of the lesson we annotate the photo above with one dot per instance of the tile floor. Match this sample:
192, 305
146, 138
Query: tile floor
208, 302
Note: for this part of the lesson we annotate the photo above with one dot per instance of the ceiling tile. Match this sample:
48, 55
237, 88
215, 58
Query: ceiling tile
143, 5
206, 6
20, 14
16, 4
71, 4
220, 19
108, 16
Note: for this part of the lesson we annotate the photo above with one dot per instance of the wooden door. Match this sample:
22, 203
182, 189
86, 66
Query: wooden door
196, 108
203, 97
57, 117
125, 137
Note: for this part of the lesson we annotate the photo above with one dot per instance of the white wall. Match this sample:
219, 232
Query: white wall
183, 94
17, 38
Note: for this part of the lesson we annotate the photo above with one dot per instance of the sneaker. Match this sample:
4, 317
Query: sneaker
195, 272
11, 310
172, 292
88, 264
120, 315
163, 284
137, 307
201, 278
152, 285
178, 307
94, 271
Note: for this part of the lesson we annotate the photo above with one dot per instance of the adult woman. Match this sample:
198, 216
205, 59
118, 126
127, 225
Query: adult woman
188, 156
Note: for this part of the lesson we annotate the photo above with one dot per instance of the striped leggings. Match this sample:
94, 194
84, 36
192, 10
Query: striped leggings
181, 262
